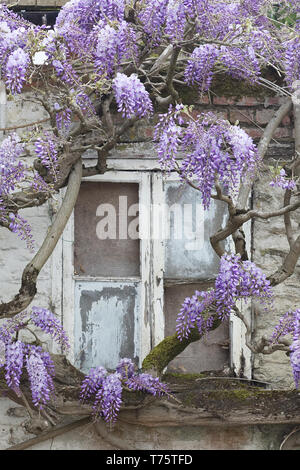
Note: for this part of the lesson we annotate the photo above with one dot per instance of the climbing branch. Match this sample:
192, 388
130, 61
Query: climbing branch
264, 142
169, 348
32, 270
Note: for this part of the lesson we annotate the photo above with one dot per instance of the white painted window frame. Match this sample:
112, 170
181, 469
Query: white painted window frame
151, 191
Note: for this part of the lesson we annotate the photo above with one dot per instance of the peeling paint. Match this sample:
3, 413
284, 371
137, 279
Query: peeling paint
106, 323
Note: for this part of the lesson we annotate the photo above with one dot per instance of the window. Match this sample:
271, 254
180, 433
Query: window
137, 245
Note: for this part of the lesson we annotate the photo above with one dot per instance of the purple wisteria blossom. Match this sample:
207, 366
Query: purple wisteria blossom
11, 326
16, 69
40, 370
113, 45
200, 66
236, 280
125, 368
21, 227
15, 354
241, 63
175, 20
92, 382
14, 359
12, 170
108, 399
147, 383
46, 148
239, 280
131, 96
281, 181
295, 348
106, 389
285, 326
63, 117
191, 314
152, 15
213, 149
49, 323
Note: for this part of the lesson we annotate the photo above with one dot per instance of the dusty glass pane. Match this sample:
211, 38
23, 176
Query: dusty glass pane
189, 254
209, 353
106, 230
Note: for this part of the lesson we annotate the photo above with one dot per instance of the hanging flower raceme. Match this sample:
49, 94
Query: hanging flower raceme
92, 382
108, 399
236, 280
295, 348
12, 169
15, 354
113, 44
21, 227
200, 66
63, 118
49, 323
289, 323
14, 359
285, 325
192, 314
86, 13
281, 181
292, 60
46, 149
106, 389
40, 369
15, 70
240, 63
239, 280
131, 96
211, 148
152, 16
175, 20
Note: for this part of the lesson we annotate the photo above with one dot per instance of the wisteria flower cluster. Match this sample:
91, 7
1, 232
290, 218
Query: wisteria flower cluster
236, 280
239, 280
15, 355
281, 181
46, 149
131, 96
12, 170
16, 69
12, 173
113, 45
295, 348
288, 324
192, 314
213, 148
285, 326
50, 324
105, 389
200, 66
20, 226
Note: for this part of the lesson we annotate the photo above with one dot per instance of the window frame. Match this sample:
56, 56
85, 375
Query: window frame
147, 174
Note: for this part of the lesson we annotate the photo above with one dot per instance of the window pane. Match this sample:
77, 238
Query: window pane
189, 254
106, 230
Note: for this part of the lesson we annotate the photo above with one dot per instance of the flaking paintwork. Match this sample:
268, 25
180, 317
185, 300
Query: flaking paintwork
106, 323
